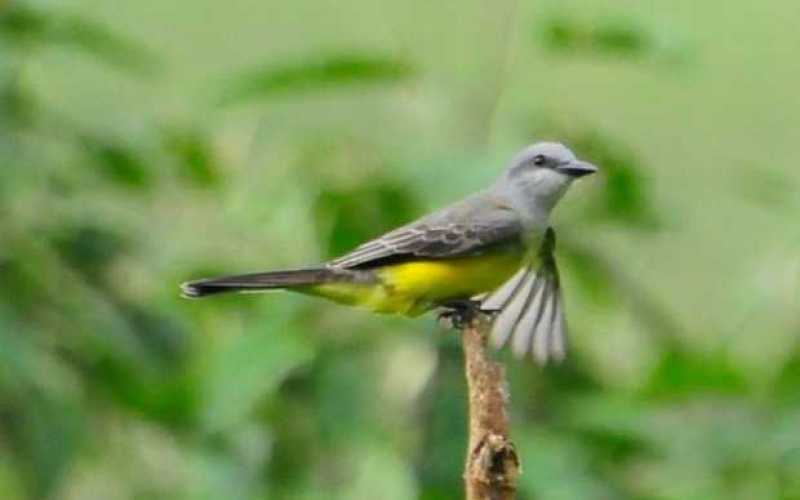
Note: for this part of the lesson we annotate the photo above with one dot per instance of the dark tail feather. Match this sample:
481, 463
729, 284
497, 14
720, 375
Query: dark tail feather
256, 281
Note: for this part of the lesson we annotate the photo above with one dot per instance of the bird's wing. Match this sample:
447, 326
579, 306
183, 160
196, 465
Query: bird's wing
465, 228
529, 309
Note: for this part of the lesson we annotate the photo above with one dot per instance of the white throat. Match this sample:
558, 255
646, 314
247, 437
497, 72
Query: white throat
535, 196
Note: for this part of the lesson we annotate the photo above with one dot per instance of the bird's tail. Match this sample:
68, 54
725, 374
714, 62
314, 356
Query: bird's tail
274, 280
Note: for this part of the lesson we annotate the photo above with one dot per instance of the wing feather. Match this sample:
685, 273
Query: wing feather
558, 337
466, 228
529, 309
522, 338
543, 329
500, 298
507, 319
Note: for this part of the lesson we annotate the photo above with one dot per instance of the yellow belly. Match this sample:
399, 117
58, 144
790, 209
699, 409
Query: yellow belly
412, 288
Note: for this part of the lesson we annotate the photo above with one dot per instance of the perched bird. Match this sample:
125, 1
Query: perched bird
490, 252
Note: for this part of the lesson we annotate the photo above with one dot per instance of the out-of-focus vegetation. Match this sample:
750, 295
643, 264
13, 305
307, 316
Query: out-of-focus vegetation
121, 174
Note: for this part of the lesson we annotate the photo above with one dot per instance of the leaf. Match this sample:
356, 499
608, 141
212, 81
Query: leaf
615, 36
118, 163
89, 249
102, 43
18, 105
623, 37
23, 24
341, 70
194, 155
788, 381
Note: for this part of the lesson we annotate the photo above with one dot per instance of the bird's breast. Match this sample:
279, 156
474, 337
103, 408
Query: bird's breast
414, 287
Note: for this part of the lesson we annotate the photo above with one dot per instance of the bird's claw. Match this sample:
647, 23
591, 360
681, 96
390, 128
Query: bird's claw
458, 314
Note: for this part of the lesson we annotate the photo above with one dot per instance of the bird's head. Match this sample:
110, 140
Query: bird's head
541, 173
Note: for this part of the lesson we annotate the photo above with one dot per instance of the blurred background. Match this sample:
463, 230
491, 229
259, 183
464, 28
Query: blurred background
146, 143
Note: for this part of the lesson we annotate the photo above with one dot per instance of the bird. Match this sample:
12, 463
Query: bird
490, 253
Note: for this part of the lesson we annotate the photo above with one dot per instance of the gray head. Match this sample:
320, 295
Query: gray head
539, 176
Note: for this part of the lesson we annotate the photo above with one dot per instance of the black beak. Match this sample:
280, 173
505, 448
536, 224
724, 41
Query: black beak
577, 168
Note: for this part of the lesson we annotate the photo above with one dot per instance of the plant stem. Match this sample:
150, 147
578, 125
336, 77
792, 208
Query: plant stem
492, 466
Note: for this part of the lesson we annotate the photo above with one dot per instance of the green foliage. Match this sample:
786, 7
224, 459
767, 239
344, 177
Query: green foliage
194, 156
622, 37
119, 164
617, 37
22, 24
90, 250
335, 71
350, 216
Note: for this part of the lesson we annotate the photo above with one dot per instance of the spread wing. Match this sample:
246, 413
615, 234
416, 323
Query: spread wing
529, 309
465, 228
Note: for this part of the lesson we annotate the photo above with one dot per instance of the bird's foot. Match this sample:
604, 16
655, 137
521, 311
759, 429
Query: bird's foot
458, 314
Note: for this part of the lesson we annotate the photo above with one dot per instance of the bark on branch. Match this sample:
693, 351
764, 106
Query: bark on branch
492, 466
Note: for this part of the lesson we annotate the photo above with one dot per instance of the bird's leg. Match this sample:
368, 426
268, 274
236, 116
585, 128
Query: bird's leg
459, 313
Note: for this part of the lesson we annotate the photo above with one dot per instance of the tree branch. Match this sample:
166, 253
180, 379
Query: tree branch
492, 465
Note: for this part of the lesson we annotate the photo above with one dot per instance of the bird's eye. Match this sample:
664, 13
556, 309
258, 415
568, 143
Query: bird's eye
539, 160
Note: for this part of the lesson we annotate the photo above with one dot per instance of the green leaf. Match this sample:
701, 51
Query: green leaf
336, 71
621, 37
18, 105
20, 22
118, 163
88, 248
194, 155
785, 388
616, 37
23, 24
